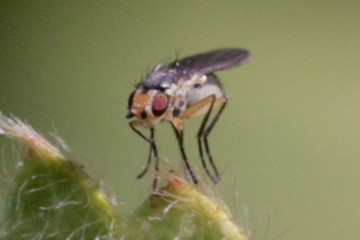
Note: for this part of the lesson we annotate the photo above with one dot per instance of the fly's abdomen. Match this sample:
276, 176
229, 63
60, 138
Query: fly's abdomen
211, 86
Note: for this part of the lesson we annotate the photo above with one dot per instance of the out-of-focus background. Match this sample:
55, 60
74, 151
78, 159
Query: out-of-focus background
288, 144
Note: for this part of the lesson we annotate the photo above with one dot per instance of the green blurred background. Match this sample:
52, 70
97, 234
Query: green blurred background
288, 144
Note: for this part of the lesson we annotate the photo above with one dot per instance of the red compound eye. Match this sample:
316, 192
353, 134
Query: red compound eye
159, 104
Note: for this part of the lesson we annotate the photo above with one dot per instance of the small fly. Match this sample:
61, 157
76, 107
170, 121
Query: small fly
180, 90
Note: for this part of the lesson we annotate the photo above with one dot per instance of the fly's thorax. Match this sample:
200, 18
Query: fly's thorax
149, 106
178, 96
161, 77
178, 106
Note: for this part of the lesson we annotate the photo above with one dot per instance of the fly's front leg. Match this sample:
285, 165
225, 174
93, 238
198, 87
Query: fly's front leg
152, 152
177, 126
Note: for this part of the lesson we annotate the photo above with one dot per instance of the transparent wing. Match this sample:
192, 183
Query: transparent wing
200, 64
212, 61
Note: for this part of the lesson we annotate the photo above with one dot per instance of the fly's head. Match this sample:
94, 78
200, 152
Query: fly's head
149, 106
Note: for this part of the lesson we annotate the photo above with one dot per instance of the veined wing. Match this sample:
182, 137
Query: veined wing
197, 65
212, 61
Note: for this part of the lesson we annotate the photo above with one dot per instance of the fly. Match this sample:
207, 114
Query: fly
180, 90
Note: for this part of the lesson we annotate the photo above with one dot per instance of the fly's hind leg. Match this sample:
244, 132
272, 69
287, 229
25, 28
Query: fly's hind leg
206, 106
206, 133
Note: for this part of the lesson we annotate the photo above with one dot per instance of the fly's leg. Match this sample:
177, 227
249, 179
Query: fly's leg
205, 106
205, 135
152, 152
180, 137
148, 163
202, 137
